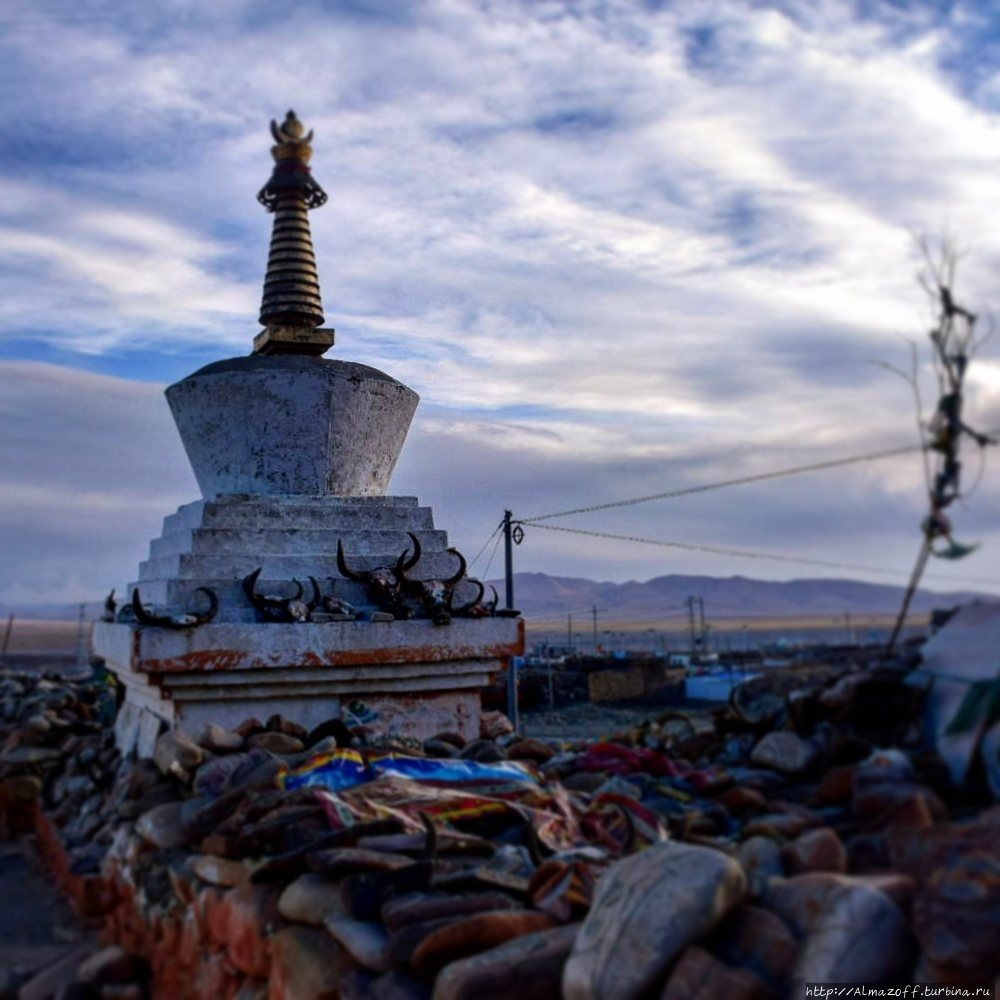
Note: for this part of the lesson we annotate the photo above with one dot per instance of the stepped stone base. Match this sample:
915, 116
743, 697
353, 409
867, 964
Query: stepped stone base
408, 677
217, 543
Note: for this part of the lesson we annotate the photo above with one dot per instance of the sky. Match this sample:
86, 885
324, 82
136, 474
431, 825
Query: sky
619, 248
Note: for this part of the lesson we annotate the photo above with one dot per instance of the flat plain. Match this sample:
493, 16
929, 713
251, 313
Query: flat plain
39, 636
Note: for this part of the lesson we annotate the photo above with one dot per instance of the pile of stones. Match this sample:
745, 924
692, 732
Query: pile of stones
54, 732
742, 852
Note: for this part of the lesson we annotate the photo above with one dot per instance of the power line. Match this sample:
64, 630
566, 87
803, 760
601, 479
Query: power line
740, 553
496, 546
477, 556
760, 477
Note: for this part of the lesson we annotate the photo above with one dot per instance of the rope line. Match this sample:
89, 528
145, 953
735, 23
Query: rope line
760, 477
740, 553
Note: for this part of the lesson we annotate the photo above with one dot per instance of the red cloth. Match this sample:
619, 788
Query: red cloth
617, 759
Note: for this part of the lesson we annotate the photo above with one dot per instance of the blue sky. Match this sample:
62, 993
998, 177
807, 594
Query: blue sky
618, 247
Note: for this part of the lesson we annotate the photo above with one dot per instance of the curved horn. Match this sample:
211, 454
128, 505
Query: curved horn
141, 614
250, 586
471, 604
452, 581
165, 621
344, 569
213, 606
403, 563
417, 551
317, 594
299, 591
496, 599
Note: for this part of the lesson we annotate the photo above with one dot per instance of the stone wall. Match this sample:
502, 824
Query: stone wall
212, 942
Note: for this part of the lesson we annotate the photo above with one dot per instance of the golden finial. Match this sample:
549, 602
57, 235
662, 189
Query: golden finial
292, 154
291, 144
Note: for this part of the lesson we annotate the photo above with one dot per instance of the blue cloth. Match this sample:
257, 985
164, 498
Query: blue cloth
347, 769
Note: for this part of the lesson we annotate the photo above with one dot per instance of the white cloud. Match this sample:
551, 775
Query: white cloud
612, 247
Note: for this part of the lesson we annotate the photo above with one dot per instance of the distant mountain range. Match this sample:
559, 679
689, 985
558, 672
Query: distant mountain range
540, 595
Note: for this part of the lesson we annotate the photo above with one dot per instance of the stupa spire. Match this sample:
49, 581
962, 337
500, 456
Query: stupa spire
292, 308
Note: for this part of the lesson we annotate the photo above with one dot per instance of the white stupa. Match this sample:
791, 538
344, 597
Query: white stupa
243, 607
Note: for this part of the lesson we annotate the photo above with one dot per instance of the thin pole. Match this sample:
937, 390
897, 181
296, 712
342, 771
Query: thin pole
918, 571
690, 606
81, 642
508, 557
508, 567
6, 638
593, 611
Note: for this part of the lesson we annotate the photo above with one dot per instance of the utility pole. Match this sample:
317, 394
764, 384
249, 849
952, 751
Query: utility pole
508, 557
511, 535
690, 603
81, 648
593, 611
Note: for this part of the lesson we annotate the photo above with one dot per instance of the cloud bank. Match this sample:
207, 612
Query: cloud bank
619, 248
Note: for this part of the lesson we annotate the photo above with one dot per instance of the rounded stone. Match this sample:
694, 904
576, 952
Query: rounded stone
784, 752
286, 424
310, 899
163, 826
217, 739
528, 968
816, 851
858, 935
275, 743
530, 749
630, 938
220, 871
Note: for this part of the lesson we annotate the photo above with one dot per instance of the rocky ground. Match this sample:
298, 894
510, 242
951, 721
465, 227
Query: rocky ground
792, 837
583, 721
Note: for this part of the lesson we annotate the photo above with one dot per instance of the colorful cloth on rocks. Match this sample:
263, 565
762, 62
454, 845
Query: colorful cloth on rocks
617, 759
353, 789
347, 768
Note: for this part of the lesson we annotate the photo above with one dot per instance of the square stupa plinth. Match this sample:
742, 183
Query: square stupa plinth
408, 677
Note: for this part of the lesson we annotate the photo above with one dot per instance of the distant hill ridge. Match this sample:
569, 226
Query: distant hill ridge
538, 594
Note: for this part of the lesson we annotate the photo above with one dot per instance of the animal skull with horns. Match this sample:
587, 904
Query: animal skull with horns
384, 584
144, 617
437, 596
282, 609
